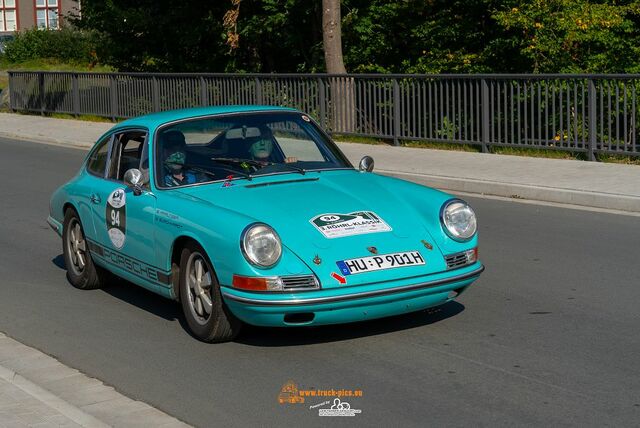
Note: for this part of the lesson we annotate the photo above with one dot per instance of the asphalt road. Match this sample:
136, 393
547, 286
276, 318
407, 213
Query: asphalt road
550, 334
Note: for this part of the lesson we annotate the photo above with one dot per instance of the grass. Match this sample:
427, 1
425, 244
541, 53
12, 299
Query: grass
84, 117
436, 145
45, 64
49, 64
537, 153
622, 159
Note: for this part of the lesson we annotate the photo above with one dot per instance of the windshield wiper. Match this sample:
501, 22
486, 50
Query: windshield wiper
293, 167
233, 171
237, 161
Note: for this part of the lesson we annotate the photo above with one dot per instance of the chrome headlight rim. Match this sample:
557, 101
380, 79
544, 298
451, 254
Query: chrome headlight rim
246, 253
443, 222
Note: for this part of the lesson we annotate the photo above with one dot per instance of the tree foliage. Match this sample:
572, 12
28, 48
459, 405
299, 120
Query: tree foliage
404, 36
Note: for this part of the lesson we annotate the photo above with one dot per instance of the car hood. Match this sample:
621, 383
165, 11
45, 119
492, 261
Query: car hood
326, 217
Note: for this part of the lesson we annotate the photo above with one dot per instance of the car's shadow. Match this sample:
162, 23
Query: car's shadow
58, 261
295, 336
290, 336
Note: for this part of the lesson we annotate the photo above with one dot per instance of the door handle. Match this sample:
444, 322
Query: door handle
95, 199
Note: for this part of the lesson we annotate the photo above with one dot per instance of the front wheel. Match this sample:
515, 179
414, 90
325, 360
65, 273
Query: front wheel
82, 273
208, 317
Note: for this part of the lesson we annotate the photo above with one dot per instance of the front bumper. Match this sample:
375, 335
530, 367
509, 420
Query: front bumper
349, 304
55, 225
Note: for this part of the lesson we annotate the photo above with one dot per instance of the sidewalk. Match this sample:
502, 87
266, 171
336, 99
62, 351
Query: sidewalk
38, 391
591, 184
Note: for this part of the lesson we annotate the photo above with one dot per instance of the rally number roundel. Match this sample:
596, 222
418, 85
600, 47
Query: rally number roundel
116, 217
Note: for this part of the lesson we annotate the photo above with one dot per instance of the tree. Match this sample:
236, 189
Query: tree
332, 36
342, 89
573, 36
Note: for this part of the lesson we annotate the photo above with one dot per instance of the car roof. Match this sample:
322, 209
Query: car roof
154, 120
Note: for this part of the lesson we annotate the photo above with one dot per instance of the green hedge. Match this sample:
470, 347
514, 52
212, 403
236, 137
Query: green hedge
66, 44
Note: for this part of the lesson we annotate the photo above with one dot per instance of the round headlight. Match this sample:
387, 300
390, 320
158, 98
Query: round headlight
458, 220
261, 245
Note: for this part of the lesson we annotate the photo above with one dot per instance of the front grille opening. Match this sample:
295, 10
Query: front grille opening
299, 318
301, 282
456, 260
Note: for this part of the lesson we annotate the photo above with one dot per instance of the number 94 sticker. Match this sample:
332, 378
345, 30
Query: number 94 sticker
116, 217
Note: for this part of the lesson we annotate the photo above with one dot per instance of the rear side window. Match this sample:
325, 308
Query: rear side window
98, 160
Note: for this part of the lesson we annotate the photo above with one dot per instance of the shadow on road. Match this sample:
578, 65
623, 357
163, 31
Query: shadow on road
290, 336
295, 336
144, 299
58, 261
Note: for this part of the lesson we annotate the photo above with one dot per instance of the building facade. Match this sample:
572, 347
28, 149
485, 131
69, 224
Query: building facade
18, 15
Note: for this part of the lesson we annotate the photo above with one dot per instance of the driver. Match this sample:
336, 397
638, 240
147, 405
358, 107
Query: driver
261, 150
174, 160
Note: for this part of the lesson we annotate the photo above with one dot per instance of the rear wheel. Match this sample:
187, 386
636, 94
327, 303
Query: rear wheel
208, 317
82, 273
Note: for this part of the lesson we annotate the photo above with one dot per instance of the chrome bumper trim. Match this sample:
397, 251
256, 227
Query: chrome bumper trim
54, 225
342, 298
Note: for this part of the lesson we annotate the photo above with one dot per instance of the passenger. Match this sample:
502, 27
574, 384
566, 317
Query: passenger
174, 150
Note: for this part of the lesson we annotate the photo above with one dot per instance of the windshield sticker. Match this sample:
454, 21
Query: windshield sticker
306, 118
356, 223
116, 217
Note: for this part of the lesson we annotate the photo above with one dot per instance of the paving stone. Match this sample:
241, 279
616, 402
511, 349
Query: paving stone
87, 396
47, 374
38, 391
76, 382
112, 410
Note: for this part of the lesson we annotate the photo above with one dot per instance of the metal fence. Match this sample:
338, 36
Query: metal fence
578, 113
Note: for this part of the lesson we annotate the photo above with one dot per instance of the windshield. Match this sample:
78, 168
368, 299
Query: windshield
242, 146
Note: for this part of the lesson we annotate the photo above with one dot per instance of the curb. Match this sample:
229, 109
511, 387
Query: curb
609, 201
46, 140
84, 400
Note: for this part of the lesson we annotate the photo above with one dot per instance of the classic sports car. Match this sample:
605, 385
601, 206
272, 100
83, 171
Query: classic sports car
252, 214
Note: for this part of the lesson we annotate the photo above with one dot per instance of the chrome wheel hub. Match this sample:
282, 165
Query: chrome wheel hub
199, 286
76, 247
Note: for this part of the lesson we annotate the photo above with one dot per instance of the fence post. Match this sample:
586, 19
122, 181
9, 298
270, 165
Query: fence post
486, 123
396, 112
76, 95
591, 145
113, 97
41, 89
156, 94
12, 94
204, 94
322, 101
258, 91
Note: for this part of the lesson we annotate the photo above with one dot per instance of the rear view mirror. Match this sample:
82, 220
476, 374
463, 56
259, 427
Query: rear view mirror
242, 133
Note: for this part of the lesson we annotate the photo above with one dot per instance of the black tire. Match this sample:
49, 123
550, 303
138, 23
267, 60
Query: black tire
85, 277
219, 325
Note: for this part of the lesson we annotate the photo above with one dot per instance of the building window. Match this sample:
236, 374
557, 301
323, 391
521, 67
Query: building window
8, 15
47, 14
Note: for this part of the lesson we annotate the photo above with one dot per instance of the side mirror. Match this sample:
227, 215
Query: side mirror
366, 164
134, 179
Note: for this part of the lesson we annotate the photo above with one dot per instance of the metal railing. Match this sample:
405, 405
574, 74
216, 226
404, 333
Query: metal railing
578, 113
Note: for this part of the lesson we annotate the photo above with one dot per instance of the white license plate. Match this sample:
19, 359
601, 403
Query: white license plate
380, 262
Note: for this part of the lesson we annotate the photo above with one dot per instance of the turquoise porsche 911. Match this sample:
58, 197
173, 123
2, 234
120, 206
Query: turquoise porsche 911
251, 214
